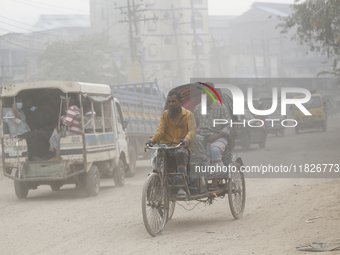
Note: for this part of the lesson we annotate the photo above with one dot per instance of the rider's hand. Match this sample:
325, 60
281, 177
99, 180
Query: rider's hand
149, 142
14, 107
186, 143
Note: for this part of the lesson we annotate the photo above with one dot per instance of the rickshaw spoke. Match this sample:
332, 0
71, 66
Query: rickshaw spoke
236, 193
154, 209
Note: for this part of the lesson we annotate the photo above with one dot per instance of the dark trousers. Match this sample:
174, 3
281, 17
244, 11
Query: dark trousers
37, 144
181, 157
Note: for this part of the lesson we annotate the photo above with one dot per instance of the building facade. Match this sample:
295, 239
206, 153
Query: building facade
253, 47
17, 49
169, 39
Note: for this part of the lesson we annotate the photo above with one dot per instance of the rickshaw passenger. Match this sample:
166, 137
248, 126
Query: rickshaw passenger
176, 124
43, 116
71, 119
31, 118
215, 137
36, 140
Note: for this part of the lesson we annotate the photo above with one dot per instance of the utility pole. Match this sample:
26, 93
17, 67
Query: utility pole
26, 69
193, 22
268, 49
135, 8
264, 56
254, 58
282, 72
2, 74
179, 63
132, 39
217, 57
133, 19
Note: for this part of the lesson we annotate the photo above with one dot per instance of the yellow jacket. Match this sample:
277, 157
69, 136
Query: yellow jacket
170, 133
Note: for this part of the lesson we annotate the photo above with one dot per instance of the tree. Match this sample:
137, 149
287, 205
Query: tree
317, 25
88, 59
322, 9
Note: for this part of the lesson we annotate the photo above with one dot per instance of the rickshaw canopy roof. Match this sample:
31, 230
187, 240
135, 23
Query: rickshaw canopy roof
64, 86
191, 97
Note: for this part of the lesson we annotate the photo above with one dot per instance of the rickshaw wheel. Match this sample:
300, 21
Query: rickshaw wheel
154, 207
172, 206
237, 192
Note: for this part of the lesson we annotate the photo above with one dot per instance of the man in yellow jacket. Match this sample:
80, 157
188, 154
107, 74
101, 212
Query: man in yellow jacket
176, 124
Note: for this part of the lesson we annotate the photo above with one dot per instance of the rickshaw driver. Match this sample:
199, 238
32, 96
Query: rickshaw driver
176, 124
215, 137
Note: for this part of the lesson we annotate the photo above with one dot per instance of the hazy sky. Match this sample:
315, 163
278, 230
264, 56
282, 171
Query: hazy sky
18, 15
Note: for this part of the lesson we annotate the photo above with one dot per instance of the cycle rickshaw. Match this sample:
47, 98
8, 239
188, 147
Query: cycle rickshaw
159, 192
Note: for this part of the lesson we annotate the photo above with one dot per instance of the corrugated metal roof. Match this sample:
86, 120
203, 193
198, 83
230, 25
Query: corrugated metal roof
58, 21
284, 8
272, 11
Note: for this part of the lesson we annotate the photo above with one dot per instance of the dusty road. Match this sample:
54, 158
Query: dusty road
66, 222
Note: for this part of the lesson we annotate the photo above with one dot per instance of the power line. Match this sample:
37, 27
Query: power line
42, 7
188, 65
133, 19
55, 6
179, 62
19, 45
95, 2
30, 38
21, 22
34, 42
195, 34
17, 26
162, 20
82, 44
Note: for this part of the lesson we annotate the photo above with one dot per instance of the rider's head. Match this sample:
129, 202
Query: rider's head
174, 102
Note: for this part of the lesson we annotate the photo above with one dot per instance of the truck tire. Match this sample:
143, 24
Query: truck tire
132, 160
55, 186
21, 190
92, 181
119, 174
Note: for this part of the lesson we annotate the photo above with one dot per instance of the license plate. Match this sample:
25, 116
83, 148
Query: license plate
14, 154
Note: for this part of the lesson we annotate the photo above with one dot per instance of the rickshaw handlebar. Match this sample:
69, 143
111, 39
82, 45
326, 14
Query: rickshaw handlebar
149, 146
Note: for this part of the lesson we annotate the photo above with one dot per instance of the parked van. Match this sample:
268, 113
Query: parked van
80, 158
317, 120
